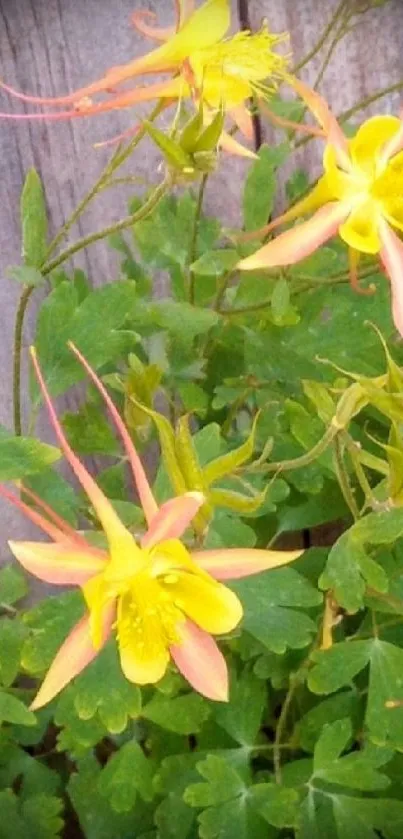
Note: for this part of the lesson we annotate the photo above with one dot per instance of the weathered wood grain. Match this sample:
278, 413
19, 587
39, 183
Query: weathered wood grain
50, 46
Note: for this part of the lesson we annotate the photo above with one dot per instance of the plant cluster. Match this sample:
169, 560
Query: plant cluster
270, 383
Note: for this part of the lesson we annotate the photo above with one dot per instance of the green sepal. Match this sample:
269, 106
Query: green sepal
227, 463
174, 155
237, 502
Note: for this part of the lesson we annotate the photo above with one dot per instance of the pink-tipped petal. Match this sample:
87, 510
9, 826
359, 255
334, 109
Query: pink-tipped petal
243, 119
392, 258
299, 242
115, 531
50, 529
234, 563
170, 89
59, 564
63, 525
173, 518
184, 10
74, 655
156, 33
201, 663
147, 499
230, 145
321, 111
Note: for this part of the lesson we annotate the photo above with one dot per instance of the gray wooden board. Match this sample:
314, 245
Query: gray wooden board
50, 46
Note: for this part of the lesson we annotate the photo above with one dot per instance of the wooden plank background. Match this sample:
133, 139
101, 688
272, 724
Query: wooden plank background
50, 46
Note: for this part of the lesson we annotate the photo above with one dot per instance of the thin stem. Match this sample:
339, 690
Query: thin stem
343, 478
323, 38
195, 233
282, 721
305, 459
118, 158
129, 221
17, 353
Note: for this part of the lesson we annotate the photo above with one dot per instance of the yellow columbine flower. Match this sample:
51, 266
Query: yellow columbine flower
163, 601
221, 73
360, 197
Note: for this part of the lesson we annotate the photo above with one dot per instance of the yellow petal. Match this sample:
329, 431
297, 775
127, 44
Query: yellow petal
370, 139
212, 606
360, 230
388, 189
144, 634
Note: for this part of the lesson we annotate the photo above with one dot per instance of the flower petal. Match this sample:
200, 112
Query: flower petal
320, 194
59, 564
360, 230
212, 606
201, 663
37, 518
173, 518
74, 655
321, 111
121, 542
370, 139
147, 499
299, 242
392, 258
143, 665
230, 145
184, 10
233, 563
156, 33
244, 120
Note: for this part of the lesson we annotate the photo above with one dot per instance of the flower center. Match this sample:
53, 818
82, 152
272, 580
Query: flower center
231, 71
147, 617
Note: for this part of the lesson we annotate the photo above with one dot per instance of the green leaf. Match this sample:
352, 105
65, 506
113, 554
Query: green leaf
13, 710
331, 744
241, 717
12, 636
33, 220
270, 601
97, 818
26, 275
174, 817
280, 300
385, 722
183, 715
22, 456
215, 263
223, 795
49, 623
42, 815
94, 325
127, 773
183, 321
102, 690
56, 491
344, 704
277, 805
337, 666
13, 585
89, 432
260, 186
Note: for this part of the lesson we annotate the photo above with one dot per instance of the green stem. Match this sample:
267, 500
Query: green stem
18, 332
343, 478
129, 221
305, 459
118, 158
195, 233
282, 721
323, 38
